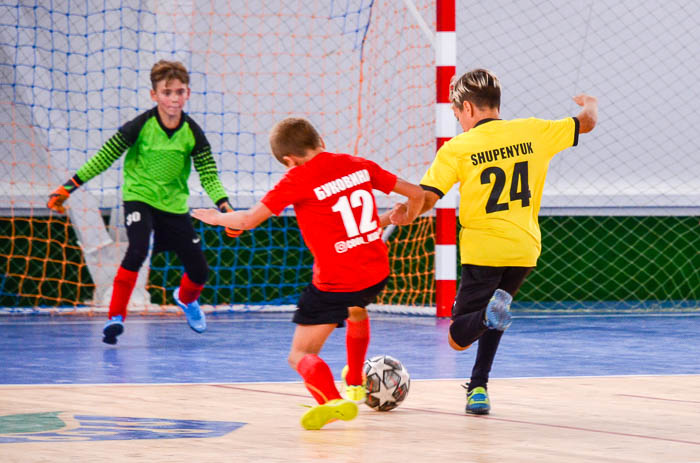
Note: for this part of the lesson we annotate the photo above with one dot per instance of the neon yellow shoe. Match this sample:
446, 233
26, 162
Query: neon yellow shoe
357, 394
320, 415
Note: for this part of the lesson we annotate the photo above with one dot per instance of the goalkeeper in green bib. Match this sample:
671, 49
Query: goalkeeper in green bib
161, 145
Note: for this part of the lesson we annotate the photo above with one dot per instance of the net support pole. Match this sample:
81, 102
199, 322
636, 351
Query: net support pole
445, 127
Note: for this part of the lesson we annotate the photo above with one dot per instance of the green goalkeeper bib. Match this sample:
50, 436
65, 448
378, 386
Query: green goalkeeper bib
158, 162
156, 167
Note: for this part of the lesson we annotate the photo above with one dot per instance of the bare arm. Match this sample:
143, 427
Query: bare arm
384, 219
241, 220
430, 199
404, 213
414, 193
588, 117
401, 209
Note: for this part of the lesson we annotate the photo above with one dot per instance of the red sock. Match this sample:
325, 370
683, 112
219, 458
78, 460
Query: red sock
124, 283
318, 378
356, 343
189, 290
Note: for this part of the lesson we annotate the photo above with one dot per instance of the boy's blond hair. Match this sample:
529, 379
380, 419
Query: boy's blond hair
167, 71
480, 86
293, 136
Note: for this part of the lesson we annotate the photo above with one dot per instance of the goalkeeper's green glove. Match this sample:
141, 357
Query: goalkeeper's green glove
225, 206
61, 194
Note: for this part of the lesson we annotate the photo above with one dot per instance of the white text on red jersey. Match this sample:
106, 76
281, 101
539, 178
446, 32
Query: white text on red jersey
341, 184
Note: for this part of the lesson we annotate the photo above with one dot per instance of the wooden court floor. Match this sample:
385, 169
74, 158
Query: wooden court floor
574, 419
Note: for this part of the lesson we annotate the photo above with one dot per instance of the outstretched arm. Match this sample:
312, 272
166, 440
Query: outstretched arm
413, 208
430, 199
105, 157
225, 206
399, 210
588, 117
241, 220
205, 166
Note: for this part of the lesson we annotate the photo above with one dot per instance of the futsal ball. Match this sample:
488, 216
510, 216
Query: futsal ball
387, 382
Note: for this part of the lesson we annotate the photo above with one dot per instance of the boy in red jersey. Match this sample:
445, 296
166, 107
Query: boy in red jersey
337, 215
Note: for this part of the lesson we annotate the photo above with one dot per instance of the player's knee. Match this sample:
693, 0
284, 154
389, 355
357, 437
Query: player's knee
134, 258
293, 359
454, 344
357, 314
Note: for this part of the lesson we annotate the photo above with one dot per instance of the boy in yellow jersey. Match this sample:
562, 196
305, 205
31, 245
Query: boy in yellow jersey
501, 167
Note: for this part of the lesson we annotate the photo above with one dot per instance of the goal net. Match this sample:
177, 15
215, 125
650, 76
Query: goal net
619, 214
73, 72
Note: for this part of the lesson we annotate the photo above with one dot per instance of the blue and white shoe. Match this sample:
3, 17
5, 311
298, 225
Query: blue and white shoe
498, 315
194, 314
113, 328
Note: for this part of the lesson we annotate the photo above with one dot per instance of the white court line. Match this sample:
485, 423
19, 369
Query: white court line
257, 383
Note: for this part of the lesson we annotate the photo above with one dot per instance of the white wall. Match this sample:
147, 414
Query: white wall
640, 58
75, 78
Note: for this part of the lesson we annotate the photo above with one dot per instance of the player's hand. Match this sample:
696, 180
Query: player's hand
209, 216
57, 198
230, 232
582, 99
399, 215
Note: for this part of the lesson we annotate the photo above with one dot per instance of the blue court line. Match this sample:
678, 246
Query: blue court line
253, 348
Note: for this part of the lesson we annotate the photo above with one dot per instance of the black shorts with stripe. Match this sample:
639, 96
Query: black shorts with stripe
478, 283
316, 307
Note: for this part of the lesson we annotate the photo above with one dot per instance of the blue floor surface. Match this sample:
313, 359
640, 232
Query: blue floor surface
253, 347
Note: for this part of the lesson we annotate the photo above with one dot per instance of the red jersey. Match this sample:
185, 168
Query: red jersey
337, 215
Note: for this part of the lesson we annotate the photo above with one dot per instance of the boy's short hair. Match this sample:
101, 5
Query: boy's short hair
293, 136
167, 71
480, 87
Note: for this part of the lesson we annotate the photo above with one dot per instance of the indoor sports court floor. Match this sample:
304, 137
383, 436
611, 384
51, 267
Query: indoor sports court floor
613, 388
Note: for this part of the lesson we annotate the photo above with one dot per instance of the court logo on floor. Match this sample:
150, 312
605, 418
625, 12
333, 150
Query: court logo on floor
65, 427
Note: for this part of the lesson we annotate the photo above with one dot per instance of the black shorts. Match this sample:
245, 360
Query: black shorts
478, 283
316, 307
172, 232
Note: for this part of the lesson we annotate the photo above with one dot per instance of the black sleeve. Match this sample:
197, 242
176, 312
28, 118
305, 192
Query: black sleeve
205, 165
433, 189
200, 140
131, 129
576, 130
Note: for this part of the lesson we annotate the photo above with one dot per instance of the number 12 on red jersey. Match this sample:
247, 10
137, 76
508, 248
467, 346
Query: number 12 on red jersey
344, 206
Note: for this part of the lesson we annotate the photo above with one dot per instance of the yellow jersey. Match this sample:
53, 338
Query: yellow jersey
501, 166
